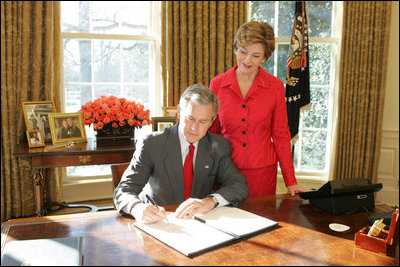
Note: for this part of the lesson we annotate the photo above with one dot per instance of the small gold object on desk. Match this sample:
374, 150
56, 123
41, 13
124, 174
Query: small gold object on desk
376, 228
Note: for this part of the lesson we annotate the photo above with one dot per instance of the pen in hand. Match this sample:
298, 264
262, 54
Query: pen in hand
151, 200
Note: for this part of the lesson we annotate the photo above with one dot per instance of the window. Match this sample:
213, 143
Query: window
110, 49
313, 148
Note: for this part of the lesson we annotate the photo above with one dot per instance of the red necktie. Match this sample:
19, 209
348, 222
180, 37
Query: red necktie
188, 172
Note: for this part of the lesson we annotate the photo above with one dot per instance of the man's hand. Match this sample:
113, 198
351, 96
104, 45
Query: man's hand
148, 213
293, 189
193, 206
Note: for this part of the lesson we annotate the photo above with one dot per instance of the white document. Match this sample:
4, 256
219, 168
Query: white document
220, 226
237, 221
43, 252
186, 236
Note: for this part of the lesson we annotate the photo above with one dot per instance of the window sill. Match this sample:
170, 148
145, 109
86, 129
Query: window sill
94, 188
89, 189
308, 181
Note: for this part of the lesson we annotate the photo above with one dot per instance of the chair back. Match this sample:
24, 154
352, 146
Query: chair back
117, 170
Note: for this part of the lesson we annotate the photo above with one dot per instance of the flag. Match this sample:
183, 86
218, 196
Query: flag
297, 92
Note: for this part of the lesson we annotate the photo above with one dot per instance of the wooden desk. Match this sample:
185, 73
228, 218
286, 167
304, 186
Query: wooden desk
302, 238
59, 156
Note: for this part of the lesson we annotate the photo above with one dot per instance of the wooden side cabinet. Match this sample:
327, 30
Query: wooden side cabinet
80, 154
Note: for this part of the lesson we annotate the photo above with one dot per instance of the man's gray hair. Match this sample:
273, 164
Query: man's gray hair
201, 95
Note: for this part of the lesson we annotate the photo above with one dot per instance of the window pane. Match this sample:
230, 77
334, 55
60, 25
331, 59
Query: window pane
107, 90
263, 11
136, 61
296, 156
321, 63
107, 59
76, 96
283, 50
269, 65
75, 16
313, 150
106, 17
319, 18
90, 170
77, 60
134, 57
138, 93
317, 115
286, 17
126, 17
135, 17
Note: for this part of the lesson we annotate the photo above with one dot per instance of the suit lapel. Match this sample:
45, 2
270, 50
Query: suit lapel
202, 167
173, 163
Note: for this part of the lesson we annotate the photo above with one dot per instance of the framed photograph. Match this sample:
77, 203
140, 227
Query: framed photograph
67, 127
170, 111
160, 123
36, 116
35, 138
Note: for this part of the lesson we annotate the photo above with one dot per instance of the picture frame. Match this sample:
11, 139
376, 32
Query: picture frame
170, 111
36, 116
160, 123
35, 138
67, 127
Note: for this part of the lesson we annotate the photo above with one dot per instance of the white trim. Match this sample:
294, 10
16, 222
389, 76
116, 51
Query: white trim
156, 16
248, 3
337, 33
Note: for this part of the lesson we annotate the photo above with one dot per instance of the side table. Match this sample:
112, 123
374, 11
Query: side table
80, 154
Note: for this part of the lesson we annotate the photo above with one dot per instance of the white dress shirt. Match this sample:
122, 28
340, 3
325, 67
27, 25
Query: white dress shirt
185, 151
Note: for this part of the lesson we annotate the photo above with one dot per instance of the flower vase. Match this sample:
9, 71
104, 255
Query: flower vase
115, 139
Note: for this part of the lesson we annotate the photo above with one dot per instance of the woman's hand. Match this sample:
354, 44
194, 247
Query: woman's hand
293, 189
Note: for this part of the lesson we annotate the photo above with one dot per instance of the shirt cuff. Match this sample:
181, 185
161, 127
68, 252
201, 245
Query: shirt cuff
128, 207
222, 201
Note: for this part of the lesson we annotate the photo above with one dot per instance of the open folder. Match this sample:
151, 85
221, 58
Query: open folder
218, 227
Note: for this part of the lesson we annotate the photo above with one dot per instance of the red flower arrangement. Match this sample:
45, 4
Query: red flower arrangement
113, 115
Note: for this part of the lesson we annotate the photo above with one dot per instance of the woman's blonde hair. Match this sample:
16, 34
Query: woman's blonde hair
256, 32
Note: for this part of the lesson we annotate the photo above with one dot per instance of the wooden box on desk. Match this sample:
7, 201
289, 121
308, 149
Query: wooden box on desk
117, 140
385, 242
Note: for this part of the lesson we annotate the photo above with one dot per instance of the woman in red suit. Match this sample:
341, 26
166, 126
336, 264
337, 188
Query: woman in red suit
252, 113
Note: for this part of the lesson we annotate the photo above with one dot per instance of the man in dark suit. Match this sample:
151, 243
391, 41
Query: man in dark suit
157, 168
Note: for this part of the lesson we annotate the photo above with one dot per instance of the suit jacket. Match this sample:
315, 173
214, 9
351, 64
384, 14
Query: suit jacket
156, 169
256, 125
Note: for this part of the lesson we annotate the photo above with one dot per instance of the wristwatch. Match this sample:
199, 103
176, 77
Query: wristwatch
215, 200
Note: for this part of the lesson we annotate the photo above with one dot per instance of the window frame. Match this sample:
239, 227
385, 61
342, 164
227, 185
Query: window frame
318, 177
101, 183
